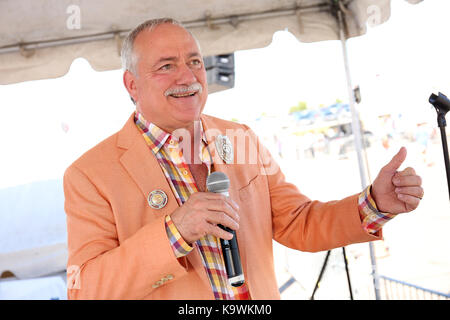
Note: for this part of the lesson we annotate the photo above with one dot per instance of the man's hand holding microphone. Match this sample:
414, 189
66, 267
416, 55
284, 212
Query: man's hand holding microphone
201, 214
216, 214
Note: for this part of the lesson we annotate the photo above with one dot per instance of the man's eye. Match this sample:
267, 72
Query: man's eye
196, 62
165, 67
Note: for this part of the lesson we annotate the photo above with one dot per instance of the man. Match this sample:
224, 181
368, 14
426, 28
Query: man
141, 224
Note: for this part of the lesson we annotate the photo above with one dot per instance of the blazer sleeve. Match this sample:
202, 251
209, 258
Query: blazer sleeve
101, 267
306, 225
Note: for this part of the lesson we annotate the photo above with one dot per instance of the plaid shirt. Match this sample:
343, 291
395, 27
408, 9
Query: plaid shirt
166, 149
170, 157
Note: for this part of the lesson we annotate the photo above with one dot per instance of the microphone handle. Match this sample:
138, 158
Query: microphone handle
231, 257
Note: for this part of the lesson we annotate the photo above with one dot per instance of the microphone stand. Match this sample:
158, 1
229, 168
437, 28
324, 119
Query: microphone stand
323, 270
442, 106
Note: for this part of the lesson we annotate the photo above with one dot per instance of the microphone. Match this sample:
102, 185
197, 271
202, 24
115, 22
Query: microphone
218, 182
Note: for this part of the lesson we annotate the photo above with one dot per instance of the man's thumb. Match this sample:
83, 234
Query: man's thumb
396, 161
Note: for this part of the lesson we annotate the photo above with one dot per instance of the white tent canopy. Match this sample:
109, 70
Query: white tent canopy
40, 38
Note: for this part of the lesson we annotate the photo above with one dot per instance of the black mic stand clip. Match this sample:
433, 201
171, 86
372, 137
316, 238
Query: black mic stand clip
442, 106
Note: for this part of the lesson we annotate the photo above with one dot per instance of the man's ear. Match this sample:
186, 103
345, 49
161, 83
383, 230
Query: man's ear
129, 80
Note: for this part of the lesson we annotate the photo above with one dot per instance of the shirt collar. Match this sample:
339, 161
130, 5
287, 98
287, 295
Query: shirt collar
157, 137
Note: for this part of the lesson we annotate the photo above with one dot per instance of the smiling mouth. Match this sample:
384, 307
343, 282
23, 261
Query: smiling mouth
183, 95
184, 91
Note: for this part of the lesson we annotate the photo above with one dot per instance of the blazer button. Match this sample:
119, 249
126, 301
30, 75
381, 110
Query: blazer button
373, 216
157, 284
168, 277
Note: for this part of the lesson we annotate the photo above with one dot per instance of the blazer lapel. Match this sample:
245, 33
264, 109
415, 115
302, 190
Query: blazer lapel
143, 167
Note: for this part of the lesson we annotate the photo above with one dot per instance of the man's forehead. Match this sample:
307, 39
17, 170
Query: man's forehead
164, 57
166, 40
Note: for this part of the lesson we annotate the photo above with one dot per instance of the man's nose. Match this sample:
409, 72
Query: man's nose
186, 75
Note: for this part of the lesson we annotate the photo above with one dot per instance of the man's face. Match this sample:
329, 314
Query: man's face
169, 62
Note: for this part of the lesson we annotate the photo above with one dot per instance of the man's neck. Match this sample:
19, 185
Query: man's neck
190, 141
188, 137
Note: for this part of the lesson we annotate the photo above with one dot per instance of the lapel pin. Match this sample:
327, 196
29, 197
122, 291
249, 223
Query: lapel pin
224, 148
157, 199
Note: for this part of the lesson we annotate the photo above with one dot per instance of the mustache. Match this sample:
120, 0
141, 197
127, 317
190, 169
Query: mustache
195, 87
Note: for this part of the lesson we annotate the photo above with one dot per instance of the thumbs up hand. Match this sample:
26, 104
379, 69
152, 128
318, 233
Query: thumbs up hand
397, 191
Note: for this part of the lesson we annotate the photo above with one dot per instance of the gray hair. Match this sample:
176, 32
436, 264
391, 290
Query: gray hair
127, 55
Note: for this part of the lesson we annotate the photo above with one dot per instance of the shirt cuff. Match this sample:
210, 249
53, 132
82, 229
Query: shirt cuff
179, 245
372, 220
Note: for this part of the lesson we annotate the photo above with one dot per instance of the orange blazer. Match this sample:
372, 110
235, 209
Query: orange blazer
117, 244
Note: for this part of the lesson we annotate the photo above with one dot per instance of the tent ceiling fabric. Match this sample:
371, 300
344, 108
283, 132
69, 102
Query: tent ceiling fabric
40, 38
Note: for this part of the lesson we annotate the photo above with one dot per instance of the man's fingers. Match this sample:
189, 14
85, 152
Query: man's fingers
202, 213
396, 161
219, 232
218, 196
225, 207
233, 204
407, 172
216, 217
411, 200
407, 181
412, 191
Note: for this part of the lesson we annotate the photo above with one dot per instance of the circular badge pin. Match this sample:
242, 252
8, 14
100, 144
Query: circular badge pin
157, 199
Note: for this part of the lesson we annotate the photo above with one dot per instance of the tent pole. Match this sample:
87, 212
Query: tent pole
356, 129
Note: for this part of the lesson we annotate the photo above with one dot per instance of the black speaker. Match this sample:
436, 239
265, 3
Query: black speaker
220, 72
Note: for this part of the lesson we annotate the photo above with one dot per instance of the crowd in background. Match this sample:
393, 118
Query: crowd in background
293, 139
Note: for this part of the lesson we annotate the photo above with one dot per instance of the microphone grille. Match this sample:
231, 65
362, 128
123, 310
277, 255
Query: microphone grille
217, 182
